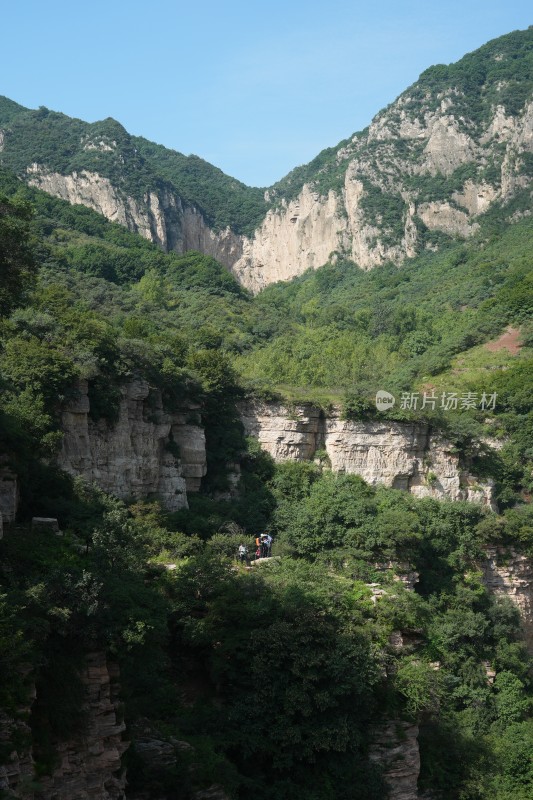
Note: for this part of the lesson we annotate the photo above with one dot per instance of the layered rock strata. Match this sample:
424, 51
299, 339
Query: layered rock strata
383, 203
510, 574
88, 765
395, 749
148, 452
401, 455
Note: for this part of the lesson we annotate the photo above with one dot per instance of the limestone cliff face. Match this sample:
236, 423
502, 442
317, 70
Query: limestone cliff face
510, 574
402, 455
161, 216
89, 765
135, 456
300, 234
395, 749
427, 165
406, 144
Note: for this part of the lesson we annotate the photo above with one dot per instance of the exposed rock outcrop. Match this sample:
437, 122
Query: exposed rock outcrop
9, 492
426, 163
89, 764
137, 456
395, 749
510, 574
401, 455
406, 140
16, 771
160, 216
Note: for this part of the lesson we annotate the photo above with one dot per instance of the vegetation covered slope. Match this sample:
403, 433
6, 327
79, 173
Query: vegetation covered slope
334, 335
134, 165
278, 676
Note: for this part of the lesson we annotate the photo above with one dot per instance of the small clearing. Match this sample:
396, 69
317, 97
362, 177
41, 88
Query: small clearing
509, 340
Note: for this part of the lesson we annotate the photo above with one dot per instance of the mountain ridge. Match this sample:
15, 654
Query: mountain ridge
452, 145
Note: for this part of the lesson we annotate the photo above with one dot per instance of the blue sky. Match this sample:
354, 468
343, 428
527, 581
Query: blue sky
255, 88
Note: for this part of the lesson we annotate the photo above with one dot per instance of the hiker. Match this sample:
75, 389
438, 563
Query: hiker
268, 540
243, 554
264, 546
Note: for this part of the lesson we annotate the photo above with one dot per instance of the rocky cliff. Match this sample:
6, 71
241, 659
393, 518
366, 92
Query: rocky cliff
403, 455
160, 216
403, 177
395, 749
146, 452
510, 574
402, 180
450, 147
89, 764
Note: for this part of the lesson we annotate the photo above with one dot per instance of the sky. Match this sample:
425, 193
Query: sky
254, 88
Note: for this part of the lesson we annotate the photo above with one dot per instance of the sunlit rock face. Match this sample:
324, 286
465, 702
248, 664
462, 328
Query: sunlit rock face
159, 216
400, 455
389, 190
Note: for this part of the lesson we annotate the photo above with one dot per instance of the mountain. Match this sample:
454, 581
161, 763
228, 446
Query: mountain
455, 144
155, 416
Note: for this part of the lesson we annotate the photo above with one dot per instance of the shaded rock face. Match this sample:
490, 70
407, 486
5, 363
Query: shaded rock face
16, 773
510, 574
9, 493
400, 455
135, 457
395, 749
89, 765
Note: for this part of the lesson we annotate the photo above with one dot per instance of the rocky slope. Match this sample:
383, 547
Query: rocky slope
161, 215
391, 166
403, 455
447, 150
137, 456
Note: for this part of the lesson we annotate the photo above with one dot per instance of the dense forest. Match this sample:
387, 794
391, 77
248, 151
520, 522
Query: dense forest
273, 679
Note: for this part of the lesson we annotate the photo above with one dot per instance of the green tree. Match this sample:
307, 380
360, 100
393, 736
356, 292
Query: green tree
17, 260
